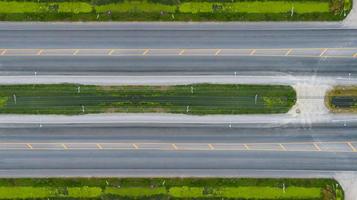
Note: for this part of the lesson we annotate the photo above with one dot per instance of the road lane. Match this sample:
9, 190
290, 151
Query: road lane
84, 155
287, 52
175, 65
217, 36
134, 37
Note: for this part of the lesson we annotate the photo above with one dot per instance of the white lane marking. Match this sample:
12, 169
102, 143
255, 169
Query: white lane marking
135, 146
174, 146
75, 52
218, 51
288, 52
64, 146
29, 146
246, 147
323, 52
282, 147
351, 146
316, 146
39, 52
111, 52
145, 52
99, 146
211, 147
3, 52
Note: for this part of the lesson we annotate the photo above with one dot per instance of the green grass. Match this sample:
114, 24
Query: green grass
139, 7
173, 10
33, 7
256, 7
346, 94
170, 188
198, 99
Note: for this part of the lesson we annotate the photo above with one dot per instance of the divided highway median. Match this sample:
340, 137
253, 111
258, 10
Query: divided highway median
342, 99
170, 188
174, 10
195, 99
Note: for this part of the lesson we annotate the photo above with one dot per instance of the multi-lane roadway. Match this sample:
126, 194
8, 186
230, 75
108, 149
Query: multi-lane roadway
294, 51
175, 149
159, 149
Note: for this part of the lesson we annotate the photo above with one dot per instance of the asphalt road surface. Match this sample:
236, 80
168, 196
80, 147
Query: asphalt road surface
211, 36
176, 65
57, 161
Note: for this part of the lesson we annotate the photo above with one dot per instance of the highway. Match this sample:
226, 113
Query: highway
177, 37
81, 156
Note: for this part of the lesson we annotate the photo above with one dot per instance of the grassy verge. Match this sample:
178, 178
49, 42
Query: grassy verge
174, 10
342, 99
197, 99
170, 188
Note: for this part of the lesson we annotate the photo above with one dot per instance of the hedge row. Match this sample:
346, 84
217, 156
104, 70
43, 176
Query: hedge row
167, 182
170, 188
170, 17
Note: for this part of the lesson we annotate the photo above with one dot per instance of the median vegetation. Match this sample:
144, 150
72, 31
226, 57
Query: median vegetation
196, 99
170, 188
342, 99
174, 10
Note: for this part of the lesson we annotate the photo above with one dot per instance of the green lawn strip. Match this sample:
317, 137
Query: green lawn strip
172, 10
347, 94
197, 99
256, 7
136, 191
172, 188
27, 192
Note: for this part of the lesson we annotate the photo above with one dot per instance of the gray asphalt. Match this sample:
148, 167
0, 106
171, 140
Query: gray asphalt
172, 133
174, 36
131, 160
135, 37
175, 65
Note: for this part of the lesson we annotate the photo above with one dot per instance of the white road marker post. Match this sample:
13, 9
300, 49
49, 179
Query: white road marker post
191, 89
83, 109
187, 109
349, 76
284, 187
292, 11
14, 98
235, 74
256, 99
79, 89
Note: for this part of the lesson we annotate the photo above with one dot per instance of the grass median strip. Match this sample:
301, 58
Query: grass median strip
341, 99
196, 99
170, 188
174, 10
